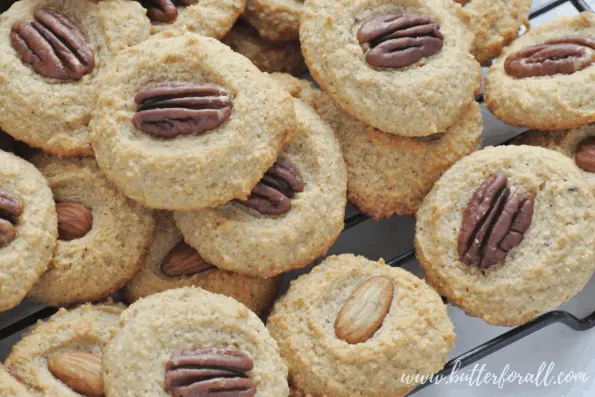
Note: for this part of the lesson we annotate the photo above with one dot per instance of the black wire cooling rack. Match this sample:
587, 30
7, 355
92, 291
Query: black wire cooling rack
465, 359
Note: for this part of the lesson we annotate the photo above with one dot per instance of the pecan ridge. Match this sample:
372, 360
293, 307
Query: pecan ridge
53, 45
585, 155
10, 210
494, 222
399, 40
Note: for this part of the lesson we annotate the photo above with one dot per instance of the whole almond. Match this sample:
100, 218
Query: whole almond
585, 155
183, 260
78, 370
74, 220
364, 311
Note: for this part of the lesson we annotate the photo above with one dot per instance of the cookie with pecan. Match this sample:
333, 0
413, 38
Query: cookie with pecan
102, 235
52, 52
499, 225
539, 80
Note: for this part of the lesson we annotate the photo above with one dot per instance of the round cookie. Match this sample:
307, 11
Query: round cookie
569, 143
545, 101
408, 331
211, 18
388, 174
53, 113
10, 387
159, 274
191, 170
277, 20
497, 254
240, 239
495, 24
394, 93
268, 56
28, 228
142, 356
65, 337
102, 234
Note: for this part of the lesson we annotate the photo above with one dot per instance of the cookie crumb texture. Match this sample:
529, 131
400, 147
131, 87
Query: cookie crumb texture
553, 262
98, 264
415, 337
561, 101
277, 20
187, 319
241, 240
87, 328
24, 259
10, 387
194, 171
422, 99
53, 114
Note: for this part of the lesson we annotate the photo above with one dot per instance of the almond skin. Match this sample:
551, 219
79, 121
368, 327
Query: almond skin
585, 155
183, 260
364, 311
79, 371
74, 220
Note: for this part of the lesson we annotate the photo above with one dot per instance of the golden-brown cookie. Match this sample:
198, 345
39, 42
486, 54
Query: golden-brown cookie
277, 20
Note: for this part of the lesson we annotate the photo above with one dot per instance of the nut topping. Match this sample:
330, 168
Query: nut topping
564, 55
364, 311
164, 10
53, 45
279, 184
494, 222
183, 260
10, 209
399, 40
74, 220
172, 108
585, 155
210, 372
79, 371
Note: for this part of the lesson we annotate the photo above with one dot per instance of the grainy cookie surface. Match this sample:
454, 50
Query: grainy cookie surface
84, 329
268, 56
239, 239
197, 170
10, 387
421, 99
560, 101
24, 259
96, 265
54, 114
388, 174
186, 319
275, 19
414, 338
256, 293
529, 280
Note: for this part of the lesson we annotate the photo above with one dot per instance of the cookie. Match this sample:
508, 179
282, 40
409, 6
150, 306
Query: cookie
28, 228
62, 356
10, 387
277, 20
188, 157
166, 334
337, 326
409, 92
495, 24
46, 102
498, 227
211, 18
388, 174
293, 215
539, 80
170, 263
578, 144
268, 56
102, 234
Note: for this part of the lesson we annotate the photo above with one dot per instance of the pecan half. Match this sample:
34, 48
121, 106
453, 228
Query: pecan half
585, 155
564, 55
183, 260
271, 196
172, 108
53, 45
80, 371
74, 220
165, 11
210, 372
10, 209
494, 222
399, 40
